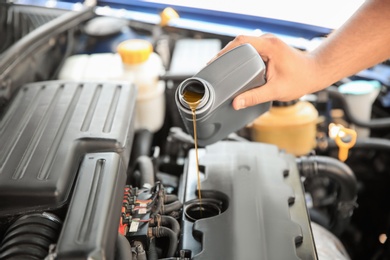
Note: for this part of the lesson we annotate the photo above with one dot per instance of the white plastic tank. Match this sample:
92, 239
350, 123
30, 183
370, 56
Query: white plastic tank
135, 62
360, 95
98, 66
143, 67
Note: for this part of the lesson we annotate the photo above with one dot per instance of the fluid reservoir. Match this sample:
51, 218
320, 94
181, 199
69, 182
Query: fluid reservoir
134, 62
143, 67
289, 125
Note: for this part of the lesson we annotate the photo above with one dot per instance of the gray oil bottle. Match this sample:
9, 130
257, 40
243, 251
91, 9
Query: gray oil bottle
216, 85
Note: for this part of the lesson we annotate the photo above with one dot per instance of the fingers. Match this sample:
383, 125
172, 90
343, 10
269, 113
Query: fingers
254, 96
268, 46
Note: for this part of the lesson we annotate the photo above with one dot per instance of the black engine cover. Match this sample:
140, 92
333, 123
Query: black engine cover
46, 132
68, 144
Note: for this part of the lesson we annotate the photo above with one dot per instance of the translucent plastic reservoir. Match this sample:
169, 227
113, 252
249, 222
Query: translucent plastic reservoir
135, 63
290, 126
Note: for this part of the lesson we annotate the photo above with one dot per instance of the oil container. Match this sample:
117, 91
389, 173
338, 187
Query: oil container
216, 85
289, 125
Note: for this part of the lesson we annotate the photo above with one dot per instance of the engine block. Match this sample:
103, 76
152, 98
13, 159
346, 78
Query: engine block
253, 208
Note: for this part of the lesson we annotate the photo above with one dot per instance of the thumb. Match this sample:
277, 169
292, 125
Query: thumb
253, 97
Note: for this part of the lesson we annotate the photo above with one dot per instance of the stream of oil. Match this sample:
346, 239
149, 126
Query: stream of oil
193, 100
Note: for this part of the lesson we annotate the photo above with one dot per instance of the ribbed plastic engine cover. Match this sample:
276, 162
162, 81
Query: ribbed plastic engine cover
47, 130
263, 213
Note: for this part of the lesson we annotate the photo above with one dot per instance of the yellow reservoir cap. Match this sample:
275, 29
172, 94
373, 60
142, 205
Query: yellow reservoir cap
134, 51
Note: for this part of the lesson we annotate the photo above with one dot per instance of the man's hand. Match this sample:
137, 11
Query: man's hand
290, 72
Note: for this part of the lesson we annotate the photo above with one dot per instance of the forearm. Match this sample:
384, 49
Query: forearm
363, 41
360, 43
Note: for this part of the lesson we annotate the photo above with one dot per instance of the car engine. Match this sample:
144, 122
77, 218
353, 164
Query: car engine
79, 179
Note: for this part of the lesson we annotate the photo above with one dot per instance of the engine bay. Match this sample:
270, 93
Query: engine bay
83, 176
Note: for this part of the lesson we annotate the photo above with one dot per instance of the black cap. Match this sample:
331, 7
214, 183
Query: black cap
284, 103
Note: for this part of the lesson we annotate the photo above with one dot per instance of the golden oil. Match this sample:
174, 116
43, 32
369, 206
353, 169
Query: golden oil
193, 100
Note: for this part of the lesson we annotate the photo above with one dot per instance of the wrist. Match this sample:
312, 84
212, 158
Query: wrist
324, 73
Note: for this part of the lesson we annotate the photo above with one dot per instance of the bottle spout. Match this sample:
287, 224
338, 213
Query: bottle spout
194, 93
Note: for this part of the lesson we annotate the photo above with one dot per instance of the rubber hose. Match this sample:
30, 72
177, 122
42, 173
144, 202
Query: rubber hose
332, 168
365, 143
175, 77
343, 175
30, 236
170, 198
172, 223
152, 252
168, 208
146, 168
166, 232
123, 248
142, 144
373, 123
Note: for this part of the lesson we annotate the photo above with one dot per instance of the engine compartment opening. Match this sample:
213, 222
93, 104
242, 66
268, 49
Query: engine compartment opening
96, 165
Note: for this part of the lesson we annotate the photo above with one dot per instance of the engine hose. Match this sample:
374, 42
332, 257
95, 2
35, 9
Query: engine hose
373, 123
335, 170
152, 251
166, 232
146, 168
340, 173
142, 144
169, 221
170, 198
168, 208
172, 223
123, 248
365, 143
30, 236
